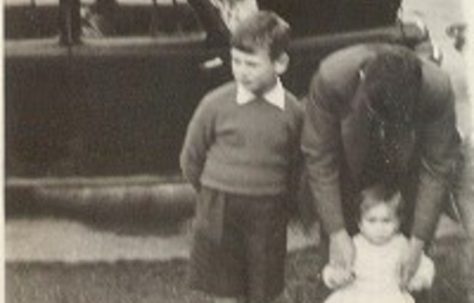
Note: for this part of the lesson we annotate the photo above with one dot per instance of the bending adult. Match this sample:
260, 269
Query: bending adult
378, 112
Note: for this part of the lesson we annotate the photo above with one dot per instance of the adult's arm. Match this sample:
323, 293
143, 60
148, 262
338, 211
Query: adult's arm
321, 141
199, 137
440, 147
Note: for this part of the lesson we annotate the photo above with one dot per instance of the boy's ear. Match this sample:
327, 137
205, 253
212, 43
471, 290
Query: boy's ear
281, 63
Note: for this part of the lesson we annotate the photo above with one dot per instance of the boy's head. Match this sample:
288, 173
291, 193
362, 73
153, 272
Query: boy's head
380, 213
258, 51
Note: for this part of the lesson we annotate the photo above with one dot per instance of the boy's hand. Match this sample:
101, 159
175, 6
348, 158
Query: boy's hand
336, 277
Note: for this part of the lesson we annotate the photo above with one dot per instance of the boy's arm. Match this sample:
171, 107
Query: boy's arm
296, 163
198, 138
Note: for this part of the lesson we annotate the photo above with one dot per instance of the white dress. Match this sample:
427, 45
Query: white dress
377, 271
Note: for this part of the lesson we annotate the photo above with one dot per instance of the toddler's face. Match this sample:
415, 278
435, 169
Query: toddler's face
256, 71
379, 223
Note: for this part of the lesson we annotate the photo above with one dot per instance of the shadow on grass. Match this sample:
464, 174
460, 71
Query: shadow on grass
164, 282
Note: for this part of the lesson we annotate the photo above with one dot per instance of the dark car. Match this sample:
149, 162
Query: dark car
99, 94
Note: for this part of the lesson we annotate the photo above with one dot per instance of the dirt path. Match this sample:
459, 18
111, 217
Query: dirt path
52, 239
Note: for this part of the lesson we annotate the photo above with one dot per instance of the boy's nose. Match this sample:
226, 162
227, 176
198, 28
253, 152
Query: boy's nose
241, 71
238, 71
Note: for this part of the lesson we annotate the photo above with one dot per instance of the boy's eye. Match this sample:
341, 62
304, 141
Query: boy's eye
251, 64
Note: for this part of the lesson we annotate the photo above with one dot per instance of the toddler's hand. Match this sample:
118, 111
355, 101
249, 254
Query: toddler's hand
336, 277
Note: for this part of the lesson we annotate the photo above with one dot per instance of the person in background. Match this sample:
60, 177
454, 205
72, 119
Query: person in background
242, 155
379, 246
234, 11
98, 20
220, 17
376, 112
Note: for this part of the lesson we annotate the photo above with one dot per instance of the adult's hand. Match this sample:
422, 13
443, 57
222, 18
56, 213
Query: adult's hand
411, 260
341, 255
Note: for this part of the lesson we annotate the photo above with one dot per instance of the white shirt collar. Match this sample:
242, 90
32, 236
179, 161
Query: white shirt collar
275, 96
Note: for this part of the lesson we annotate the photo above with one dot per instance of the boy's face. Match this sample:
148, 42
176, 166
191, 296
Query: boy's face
256, 71
379, 223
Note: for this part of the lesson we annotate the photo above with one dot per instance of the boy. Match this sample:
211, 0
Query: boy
241, 153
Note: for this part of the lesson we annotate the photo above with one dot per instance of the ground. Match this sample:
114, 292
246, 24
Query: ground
164, 281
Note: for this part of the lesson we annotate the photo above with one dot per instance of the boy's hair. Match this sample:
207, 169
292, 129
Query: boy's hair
263, 29
381, 194
392, 81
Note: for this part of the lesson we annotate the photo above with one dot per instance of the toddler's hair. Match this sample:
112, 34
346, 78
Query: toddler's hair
262, 30
381, 194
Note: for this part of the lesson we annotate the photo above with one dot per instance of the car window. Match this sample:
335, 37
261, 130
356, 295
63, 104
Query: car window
31, 18
10, 3
119, 18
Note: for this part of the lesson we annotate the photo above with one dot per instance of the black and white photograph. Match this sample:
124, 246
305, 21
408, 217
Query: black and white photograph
238, 151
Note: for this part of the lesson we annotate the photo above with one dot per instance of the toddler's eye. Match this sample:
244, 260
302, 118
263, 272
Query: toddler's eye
251, 64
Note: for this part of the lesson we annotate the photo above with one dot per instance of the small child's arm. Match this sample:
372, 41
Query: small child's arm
198, 138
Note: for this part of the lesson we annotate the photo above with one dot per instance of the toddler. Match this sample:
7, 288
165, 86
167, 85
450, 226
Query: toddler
379, 247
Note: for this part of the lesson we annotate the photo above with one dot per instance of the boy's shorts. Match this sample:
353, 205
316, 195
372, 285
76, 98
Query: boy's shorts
242, 255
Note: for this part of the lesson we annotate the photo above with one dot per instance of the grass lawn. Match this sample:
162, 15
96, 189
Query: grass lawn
164, 282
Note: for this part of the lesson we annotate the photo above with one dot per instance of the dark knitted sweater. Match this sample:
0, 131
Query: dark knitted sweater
244, 149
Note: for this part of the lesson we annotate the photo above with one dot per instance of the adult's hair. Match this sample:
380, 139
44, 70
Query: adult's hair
381, 193
262, 30
392, 81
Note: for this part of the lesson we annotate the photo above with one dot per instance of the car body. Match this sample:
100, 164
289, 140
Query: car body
117, 105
